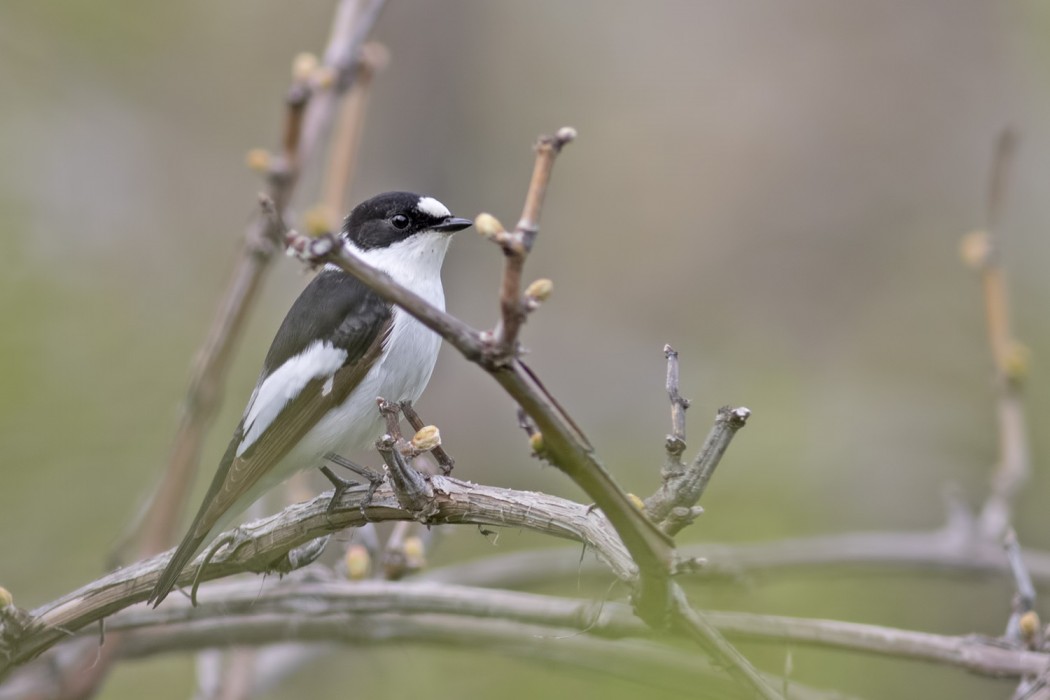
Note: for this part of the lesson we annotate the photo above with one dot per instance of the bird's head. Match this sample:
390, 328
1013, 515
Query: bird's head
400, 219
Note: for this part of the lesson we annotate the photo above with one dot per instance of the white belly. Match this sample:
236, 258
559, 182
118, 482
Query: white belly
401, 374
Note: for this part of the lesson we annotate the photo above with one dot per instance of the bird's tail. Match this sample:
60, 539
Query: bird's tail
206, 523
183, 555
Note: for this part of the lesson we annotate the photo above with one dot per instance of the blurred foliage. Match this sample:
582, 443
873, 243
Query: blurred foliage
776, 189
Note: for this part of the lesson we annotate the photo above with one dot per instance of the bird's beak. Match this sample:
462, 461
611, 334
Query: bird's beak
452, 224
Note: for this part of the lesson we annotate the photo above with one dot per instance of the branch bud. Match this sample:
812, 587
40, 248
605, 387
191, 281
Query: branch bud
975, 248
6, 598
325, 77
565, 135
489, 227
1017, 360
318, 221
415, 553
426, 438
536, 443
537, 293
304, 65
1029, 625
259, 160
358, 562
375, 56
636, 502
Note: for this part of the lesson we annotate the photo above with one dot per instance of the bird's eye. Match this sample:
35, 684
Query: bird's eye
400, 221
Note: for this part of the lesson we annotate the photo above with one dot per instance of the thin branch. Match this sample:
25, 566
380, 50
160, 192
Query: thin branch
695, 625
648, 664
675, 443
346, 138
982, 655
513, 309
445, 462
982, 250
954, 549
1023, 628
409, 485
234, 601
673, 504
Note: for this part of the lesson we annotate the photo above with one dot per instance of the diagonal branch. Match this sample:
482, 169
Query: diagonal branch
674, 503
650, 547
310, 108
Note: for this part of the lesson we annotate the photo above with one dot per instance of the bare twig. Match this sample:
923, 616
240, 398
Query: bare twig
674, 502
675, 443
981, 249
346, 136
409, 485
1023, 627
954, 549
983, 655
451, 616
695, 625
516, 247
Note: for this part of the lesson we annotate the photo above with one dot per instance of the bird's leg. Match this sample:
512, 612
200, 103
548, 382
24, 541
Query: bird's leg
233, 538
341, 485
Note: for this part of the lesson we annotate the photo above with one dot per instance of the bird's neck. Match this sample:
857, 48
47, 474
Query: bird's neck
414, 263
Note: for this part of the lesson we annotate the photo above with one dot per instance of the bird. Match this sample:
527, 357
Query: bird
339, 348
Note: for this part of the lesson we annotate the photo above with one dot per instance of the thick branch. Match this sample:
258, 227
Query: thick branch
263, 545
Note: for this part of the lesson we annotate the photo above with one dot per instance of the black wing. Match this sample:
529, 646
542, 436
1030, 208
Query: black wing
335, 307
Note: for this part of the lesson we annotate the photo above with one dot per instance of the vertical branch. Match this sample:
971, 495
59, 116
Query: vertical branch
673, 505
516, 246
445, 462
346, 139
981, 249
675, 443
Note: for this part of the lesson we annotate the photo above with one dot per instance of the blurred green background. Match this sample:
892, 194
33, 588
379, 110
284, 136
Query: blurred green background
775, 188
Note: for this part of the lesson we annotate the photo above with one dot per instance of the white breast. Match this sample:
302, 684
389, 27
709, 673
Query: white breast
402, 371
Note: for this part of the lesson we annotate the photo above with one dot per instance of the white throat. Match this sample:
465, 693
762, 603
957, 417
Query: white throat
414, 263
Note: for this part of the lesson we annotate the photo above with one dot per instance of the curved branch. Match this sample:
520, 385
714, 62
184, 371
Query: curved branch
264, 545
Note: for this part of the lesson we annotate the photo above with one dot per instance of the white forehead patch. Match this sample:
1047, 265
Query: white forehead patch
432, 207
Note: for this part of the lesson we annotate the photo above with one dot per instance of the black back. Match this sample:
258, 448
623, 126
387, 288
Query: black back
335, 307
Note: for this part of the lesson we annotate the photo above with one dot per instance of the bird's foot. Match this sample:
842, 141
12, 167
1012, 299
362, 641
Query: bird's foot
374, 479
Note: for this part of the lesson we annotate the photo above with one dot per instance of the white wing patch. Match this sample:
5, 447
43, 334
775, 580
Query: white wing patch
432, 207
319, 359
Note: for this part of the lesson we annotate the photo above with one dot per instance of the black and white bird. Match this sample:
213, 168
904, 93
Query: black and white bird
339, 347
